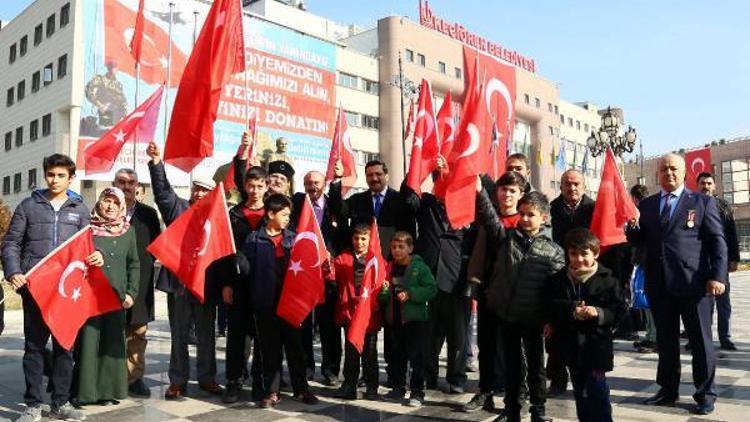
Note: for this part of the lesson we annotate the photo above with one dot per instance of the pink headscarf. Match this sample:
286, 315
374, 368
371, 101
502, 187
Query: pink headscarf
110, 227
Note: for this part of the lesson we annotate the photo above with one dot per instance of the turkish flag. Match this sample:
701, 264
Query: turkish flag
696, 162
304, 287
67, 291
446, 126
341, 149
409, 121
138, 126
252, 127
147, 44
198, 237
372, 282
218, 53
614, 206
498, 154
426, 146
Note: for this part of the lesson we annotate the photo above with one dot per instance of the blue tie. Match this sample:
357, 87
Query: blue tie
666, 211
378, 204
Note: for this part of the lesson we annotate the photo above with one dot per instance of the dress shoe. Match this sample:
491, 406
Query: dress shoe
728, 345
661, 399
231, 392
506, 416
212, 388
705, 408
174, 392
139, 389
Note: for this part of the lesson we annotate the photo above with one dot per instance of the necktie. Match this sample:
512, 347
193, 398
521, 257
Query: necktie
318, 211
667, 210
378, 204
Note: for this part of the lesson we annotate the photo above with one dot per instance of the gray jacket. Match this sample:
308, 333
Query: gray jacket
36, 229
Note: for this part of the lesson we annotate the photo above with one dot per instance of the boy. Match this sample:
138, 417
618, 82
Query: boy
405, 298
586, 303
39, 224
526, 257
349, 268
266, 258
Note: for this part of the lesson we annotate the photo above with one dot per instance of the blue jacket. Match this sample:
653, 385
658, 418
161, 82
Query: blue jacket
36, 229
260, 267
681, 259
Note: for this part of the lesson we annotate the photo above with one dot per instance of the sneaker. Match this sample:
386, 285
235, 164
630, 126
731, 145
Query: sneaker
728, 345
231, 392
174, 392
139, 389
396, 394
269, 401
66, 412
307, 398
479, 401
416, 399
212, 388
31, 414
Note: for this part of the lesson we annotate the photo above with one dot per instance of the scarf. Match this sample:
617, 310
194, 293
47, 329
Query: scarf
582, 276
110, 227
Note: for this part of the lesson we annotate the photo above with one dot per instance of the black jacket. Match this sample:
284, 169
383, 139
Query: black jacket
395, 214
516, 291
563, 220
445, 251
329, 229
262, 273
145, 224
586, 344
730, 229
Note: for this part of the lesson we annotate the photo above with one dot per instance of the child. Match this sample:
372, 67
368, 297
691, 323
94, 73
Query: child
405, 298
267, 257
526, 257
586, 303
349, 268
40, 224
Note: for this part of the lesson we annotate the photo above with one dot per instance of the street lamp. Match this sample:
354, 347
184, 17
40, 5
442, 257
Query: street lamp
408, 90
611, 134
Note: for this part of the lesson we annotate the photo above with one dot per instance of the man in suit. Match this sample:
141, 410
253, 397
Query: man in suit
145, 221
686, 267
323, 316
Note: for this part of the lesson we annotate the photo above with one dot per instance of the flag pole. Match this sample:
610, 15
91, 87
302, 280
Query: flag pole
244, 67
135, 139
169, 74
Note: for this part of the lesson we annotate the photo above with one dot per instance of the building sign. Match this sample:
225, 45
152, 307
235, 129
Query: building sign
456, 31
289, 84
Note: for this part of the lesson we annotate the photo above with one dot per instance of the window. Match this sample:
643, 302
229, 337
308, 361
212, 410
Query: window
526, 98
48, 74
10, 98
34, 130
17, 183
371, 122
570, 121
549, 107
23, 45
537, 103
441, 67
21, 90
35, 81
551, 130
562, 119
19, 136
421, 60
12, 54
371, 87
6, 185
557, 110
409, 56
347, 80
352, 119
64, 15
8, 141
46, 124
50, 25
586, 127
458, 72
735, 180
578, 124
32, 179
38, 32
62, 66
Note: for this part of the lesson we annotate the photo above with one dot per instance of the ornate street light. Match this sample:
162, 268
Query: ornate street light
611, 134
409, 90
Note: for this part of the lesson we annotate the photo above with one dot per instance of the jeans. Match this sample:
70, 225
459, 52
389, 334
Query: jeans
592, 395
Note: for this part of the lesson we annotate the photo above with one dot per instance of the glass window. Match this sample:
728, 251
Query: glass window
34, 130
50, 25
17, 182
64, 14
441, 67
741, 197
551, 130
458, 72
570, 121
549, 107
38, 32
12, 54
352, 119
19, 136
562, 119
32, 179
46, 124
526, 98
6, 185
739, 176
537, 103
371, 122
48, 75
409, 56
557, 110
347, 80
371, 87
62, 66
11, 96
586, 127
738, 165
23, 45
421, 59
8, 141
578, 124
36, 79
21, 90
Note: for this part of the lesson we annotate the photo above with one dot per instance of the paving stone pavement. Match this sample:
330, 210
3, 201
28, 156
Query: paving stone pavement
630, 382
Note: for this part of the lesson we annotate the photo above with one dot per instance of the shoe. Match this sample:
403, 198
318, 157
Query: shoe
728, 345
221, 333
139, 389
683, 334
256, 394
174, 392
212, 388
307, 398
31, 414
361, 383
472, 367
396, 394
454, 389
479, 401
269, 401
415, 400
347, 392
661, 399
506, 416
557, 389
705, 408
371, 394
540, 418
310, 373
231, 392
66, 412
329, 381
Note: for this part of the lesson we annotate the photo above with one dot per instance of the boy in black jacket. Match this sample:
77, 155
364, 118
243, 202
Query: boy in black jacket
586, 303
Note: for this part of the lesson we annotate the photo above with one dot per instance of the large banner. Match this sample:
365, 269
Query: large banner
289, 85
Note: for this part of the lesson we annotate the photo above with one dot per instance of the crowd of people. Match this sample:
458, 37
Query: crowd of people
538, 278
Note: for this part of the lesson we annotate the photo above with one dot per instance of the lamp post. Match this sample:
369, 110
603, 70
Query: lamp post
408, 90
611, 134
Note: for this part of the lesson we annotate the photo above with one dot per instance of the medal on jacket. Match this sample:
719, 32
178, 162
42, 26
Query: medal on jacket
691, 219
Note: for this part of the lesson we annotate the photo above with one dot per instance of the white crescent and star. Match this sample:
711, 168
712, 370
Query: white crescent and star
295, 266
73, 266
373, 262
120, 136
206, 238
308, 235
473, 140
128, 34
428, 130
702, 163
496, 85
452, 125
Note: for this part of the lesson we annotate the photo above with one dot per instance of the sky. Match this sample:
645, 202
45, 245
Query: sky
680, 70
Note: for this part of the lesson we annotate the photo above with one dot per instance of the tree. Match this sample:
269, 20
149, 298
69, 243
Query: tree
5, 215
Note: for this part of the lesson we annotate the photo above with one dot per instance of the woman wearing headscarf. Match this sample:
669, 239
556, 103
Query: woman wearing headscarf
102, 372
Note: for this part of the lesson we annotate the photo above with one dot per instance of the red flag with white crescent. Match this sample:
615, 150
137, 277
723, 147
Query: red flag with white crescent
137, 42
341, 149
696, 162
304, 287
614, 206
67, 291
446, 126
425, 146
198, 237
372, 282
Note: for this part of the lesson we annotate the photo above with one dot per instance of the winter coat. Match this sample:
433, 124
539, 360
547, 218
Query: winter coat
146, 227
563, 221
420, 285
258, 268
